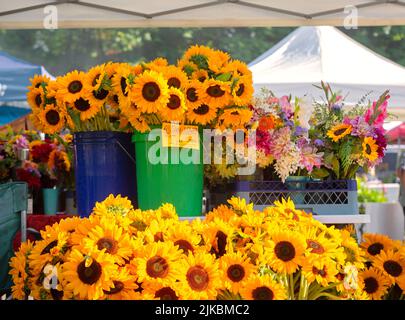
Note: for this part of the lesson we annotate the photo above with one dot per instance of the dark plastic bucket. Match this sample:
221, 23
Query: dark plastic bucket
104, 165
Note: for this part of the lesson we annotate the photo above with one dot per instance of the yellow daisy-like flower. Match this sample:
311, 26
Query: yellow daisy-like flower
158, 261
124, 286
121, 85
263, 288
95, 77
240, 205
321, 271
375, 283
320, 248
71, 87
18, 271
339, 131
217, 236
201, 277
38, 81
59, 159
238, 68
234, 118
392, 265
156, 230
217, 61
88, 274
370, 149
157, 291
203, 114
353, 253
157, 64
175, 77
183, 236
286, 250
166, 211
49, 284
242, 94
36, 98
197, 50
236, 269
110, 238
52, 119
116, 206
373, 244
86, 107
194, 96
150, 92
222, 212
200, 75
175, 109
217, 93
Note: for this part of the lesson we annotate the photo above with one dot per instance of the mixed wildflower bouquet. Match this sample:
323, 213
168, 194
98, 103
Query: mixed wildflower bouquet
205, 88
282, 140
350, 139
384, 277
235, 252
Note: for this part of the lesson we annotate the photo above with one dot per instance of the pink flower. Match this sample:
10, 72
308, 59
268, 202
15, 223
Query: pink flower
376, 115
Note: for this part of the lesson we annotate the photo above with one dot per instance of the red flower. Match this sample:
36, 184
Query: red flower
29, 177
40, 153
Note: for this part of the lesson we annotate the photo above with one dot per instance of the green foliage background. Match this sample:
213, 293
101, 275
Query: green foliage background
65, 49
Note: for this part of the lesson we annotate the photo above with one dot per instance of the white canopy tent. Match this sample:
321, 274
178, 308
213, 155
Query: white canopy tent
311, 54
19, 14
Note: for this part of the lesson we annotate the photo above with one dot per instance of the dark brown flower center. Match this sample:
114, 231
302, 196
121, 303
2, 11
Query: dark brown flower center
151, 91
241, 89
123, 84
368, 148
52, 117
191, 95
166, 293
185, 246
262, 293
375, 248
174, 82
38, 100
82, 104
393, 268
236, 272
284, 251
89, 275
56, 294
315, 247
110, 245
94, 82
338, 132
158, 237
202, 110
118, 287
321, 272
234, 113
370, 285
157, 267
174, 102
101, 94
139, 225
215, 91
219, 245
115, 98
197, 278
50, 245
75, 86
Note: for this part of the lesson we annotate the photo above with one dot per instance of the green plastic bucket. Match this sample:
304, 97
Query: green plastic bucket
177, 182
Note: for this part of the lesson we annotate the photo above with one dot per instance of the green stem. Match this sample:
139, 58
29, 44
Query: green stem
328, 295
291, 286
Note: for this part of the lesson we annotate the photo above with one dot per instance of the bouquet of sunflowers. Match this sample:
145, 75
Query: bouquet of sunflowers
350, 139
235, 252
205, 88
384, 277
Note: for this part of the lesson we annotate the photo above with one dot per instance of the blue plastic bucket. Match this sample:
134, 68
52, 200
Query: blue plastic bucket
104, 165
51, 200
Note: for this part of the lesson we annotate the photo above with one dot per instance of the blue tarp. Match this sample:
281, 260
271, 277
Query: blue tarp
14, 77
9, 114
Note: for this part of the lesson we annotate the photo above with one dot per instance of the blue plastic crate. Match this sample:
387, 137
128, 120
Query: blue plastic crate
319, 197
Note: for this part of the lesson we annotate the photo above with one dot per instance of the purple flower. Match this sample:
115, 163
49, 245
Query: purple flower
336, 107
359, 126
319, 143
21, 143
300, 131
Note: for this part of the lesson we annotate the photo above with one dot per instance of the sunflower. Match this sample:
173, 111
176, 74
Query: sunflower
124, 286
200, 75
19, 271
157, 64
194, 96
353, 253
117, 206
49, 284
243, 91
166, 211
120, 85
36, 98
71, 87
70, 224
183, 236
392, 265
320, 248
85, 106
201, 277
339, 131
375, 283
150, 92
263, 288
38, 81
236, 270
373, 244
158, 261
216, 93
238, 68
175, 77
197, 52
174, 110
52, 119
203, 114
321, 271
217, 61
221, 212
240, 206
95, 77
135, 117
88, 273
370, 149
59, 159
217, 236
157, 291
110, 238
234, 118
286, 250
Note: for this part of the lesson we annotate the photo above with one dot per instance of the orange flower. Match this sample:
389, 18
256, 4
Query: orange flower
266, 123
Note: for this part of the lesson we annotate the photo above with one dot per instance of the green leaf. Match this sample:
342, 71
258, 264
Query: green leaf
336, 167
319, 173
224, 77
